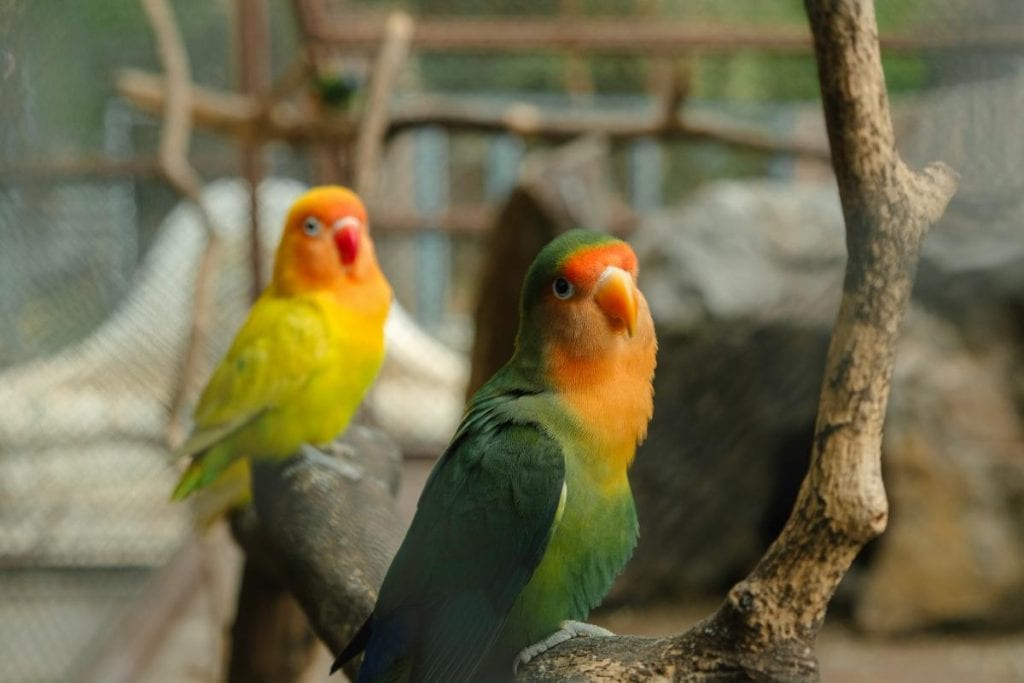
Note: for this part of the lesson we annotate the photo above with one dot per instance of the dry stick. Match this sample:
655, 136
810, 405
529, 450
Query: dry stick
175, 167
384, 78
767, 625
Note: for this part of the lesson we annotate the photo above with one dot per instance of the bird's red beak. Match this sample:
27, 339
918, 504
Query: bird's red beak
616, 295
346, 240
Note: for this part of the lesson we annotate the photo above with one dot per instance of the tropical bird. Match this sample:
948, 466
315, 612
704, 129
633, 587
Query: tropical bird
304, 357
528, 516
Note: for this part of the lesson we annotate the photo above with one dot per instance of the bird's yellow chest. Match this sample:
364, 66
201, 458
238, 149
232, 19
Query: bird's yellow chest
333, 395
321, 409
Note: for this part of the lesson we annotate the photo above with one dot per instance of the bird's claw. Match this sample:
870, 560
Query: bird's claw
341, 450
343, 455
567, 630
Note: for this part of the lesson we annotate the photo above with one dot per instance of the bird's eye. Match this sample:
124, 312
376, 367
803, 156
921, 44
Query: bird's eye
311, 226
563, 288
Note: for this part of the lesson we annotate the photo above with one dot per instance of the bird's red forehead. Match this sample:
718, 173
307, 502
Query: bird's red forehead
584, 267
329, 204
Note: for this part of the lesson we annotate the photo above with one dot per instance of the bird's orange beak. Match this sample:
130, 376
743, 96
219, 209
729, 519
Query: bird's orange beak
616, 295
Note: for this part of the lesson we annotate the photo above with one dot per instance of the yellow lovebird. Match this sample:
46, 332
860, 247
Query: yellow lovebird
303, 359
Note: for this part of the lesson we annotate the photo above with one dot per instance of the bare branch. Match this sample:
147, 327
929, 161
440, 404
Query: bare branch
242, 117
175, 166
530, 121
236, 115
384, 78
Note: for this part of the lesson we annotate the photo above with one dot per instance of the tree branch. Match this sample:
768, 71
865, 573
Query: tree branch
325, 525
175, 167
242, 117
376, 115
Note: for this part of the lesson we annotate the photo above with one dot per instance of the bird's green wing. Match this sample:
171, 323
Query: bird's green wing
481, 528
282, 343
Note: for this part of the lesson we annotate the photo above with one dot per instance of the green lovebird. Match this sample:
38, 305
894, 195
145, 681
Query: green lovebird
528, 516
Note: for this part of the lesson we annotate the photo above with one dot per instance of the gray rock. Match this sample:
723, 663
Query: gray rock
744, 282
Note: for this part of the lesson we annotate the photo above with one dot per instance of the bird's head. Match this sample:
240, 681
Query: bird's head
580, 299
325, 241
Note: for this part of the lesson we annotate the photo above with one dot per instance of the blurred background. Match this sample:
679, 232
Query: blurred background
693, 129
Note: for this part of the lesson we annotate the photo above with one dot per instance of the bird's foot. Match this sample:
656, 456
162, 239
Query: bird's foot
343, 455
341, 450
567, 630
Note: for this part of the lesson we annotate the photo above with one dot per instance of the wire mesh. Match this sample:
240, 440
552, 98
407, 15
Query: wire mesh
97, 266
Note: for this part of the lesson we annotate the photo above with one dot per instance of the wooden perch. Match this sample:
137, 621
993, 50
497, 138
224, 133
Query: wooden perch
325, 525
235, 115
766, 627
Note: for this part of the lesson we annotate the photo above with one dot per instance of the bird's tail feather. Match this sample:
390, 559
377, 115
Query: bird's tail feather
205, 468
355, 646
230, 491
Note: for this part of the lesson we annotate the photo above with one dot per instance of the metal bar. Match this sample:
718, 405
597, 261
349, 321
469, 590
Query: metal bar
645, 163
469, 220
98, 169
504, 156
433, 248
254, 79
620, 35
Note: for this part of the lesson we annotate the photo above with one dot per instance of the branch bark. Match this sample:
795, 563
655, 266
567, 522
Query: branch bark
325, 526
765, 628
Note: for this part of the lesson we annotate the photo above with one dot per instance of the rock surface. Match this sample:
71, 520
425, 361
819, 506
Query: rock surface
744, 281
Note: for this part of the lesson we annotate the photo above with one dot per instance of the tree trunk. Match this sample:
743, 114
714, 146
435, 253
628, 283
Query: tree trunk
271, 641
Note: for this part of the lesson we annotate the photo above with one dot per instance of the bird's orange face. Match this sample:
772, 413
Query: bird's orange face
593, 302
325, 241
600, 346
